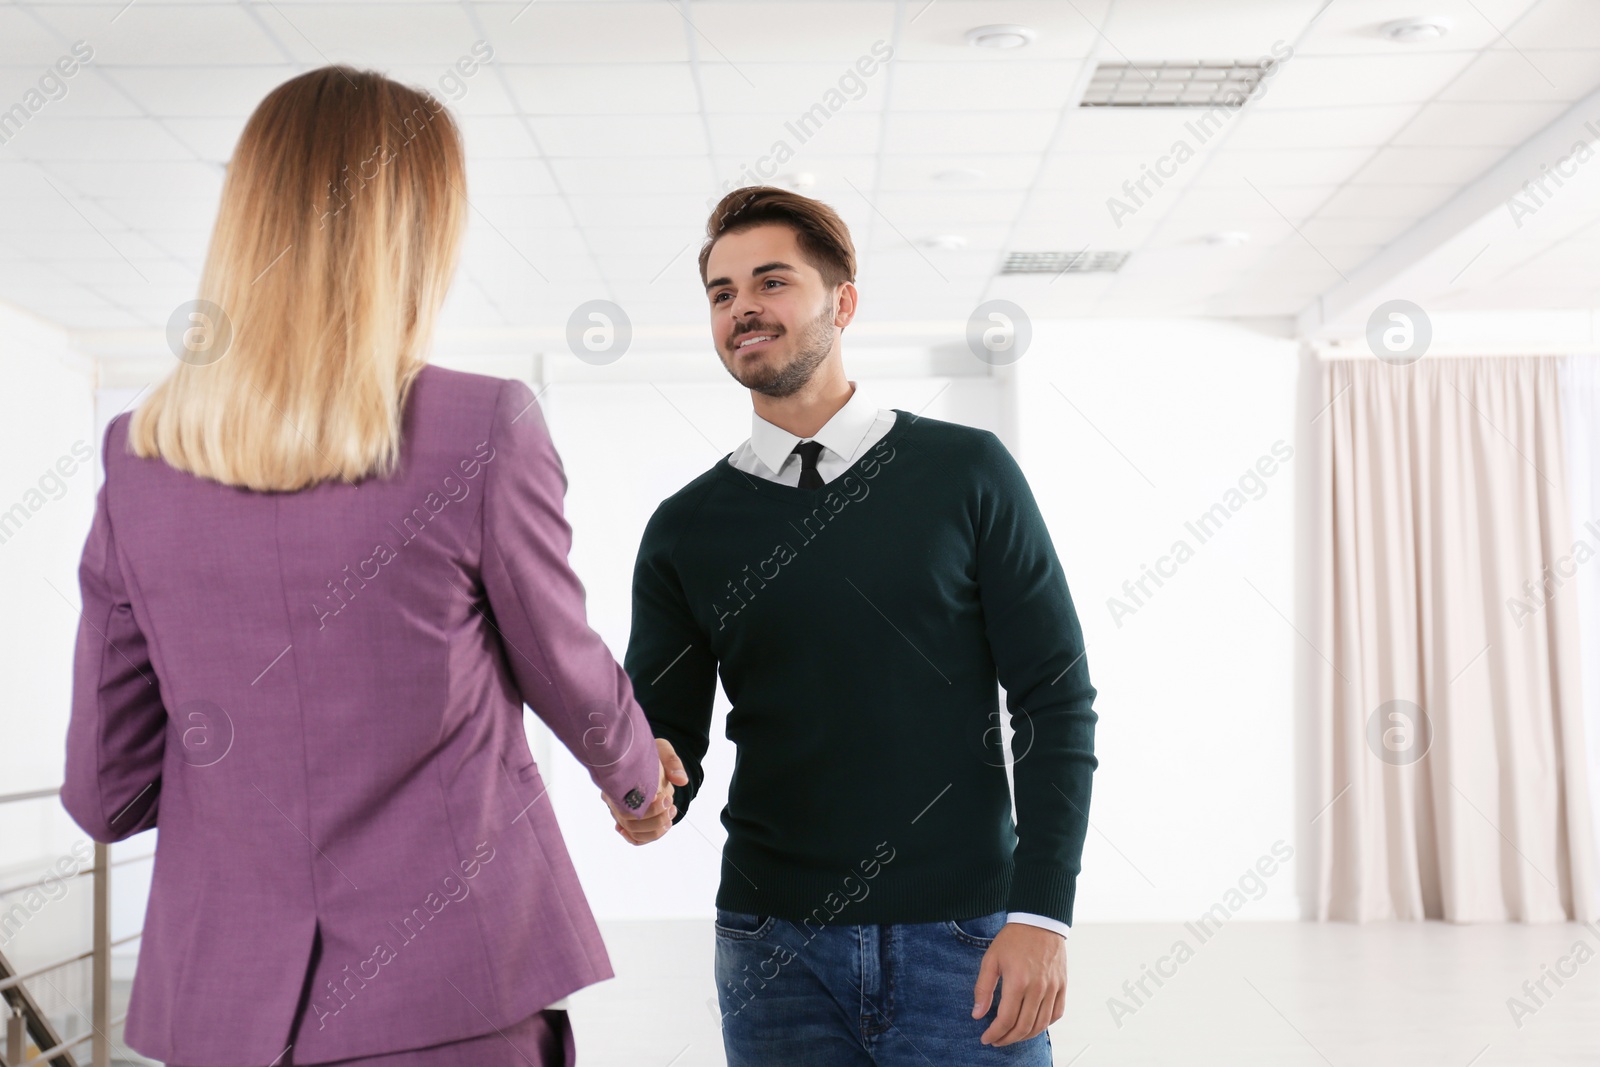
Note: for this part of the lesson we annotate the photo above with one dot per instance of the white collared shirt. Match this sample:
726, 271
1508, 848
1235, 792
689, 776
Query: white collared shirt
845, 438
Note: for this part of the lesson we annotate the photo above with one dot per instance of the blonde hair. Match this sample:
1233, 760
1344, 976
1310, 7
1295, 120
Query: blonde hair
334, 245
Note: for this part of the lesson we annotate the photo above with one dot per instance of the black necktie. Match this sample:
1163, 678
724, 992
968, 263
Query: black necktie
808, 451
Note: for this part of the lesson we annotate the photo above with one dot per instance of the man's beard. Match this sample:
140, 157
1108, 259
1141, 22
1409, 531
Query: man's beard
812, 347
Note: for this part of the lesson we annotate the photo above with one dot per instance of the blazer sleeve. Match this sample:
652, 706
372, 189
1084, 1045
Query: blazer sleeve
116, 736
563, 669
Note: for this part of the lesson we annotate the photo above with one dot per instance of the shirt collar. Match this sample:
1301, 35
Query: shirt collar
841, 435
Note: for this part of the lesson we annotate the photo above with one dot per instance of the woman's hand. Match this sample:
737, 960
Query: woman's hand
656, 818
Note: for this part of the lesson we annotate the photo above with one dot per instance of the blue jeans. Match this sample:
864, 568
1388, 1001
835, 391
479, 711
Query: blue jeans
858, 996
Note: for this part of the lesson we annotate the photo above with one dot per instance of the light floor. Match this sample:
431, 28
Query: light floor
1275, 994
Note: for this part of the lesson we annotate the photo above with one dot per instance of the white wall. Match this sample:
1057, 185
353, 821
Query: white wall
46, 503
1128, 431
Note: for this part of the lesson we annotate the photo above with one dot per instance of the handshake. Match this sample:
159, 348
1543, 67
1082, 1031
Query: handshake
656, 817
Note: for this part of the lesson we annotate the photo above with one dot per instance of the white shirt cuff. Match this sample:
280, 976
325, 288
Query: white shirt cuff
1030, 919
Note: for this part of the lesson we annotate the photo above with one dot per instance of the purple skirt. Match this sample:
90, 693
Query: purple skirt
543, 1039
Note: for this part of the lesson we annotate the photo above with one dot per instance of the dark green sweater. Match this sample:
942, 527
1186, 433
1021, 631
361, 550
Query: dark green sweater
860, 629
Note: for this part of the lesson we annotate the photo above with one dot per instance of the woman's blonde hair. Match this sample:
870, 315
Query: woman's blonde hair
334, 245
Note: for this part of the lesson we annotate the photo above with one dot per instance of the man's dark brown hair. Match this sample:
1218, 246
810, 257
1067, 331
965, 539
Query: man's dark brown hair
819, 231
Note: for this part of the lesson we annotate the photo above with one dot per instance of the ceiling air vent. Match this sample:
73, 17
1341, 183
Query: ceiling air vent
1204, 83
1064, 262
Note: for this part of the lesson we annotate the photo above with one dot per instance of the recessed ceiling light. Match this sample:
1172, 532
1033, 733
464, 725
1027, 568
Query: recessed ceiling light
947, 242
1417, 30
1205, 83
960, 175
1079, 262
1000, 35
1227, 238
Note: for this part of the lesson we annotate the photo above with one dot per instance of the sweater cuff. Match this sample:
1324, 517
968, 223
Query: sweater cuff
1045, 890
682, 795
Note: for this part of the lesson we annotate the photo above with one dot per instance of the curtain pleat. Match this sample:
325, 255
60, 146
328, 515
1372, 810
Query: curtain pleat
1451, 760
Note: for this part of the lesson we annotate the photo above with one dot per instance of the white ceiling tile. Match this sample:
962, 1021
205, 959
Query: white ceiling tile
1557, 24
212, 140
646, 31
934, 32
685, 210
792, 89
1369, 125
621, 135
945, 208
191, 181
1302, 166
1427, 166
1501, 75
755, 138
1354, 26
517, 212
1387, 201
510, 177
24, 42
831, 177
201, 92
1173, 29
968, 86
1148, 131
595, 89
1343, 81
98, 139
1353, 231
1011, 131
160, 213
160, 35
497, 137
374, 35
481, 93
840, 31
996, 171
1449, 124
45, 93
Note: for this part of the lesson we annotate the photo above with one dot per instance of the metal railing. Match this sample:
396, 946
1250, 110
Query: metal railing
25, 1020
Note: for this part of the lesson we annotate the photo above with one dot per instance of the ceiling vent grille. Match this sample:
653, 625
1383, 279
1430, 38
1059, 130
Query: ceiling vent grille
1084, 262
1204, 83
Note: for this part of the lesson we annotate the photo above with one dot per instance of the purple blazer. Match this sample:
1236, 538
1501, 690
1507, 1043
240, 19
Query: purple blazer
318, 698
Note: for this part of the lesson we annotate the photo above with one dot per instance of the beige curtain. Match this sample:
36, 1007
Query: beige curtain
1451, 779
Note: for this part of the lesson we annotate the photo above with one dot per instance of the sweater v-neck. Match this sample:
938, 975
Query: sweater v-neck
783, 491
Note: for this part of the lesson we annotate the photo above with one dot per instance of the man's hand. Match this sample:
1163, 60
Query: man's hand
1033, 962
655, 819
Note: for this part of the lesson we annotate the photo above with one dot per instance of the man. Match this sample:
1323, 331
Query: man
862, 578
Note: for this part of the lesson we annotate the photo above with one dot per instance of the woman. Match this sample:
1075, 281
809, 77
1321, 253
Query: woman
321, 581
